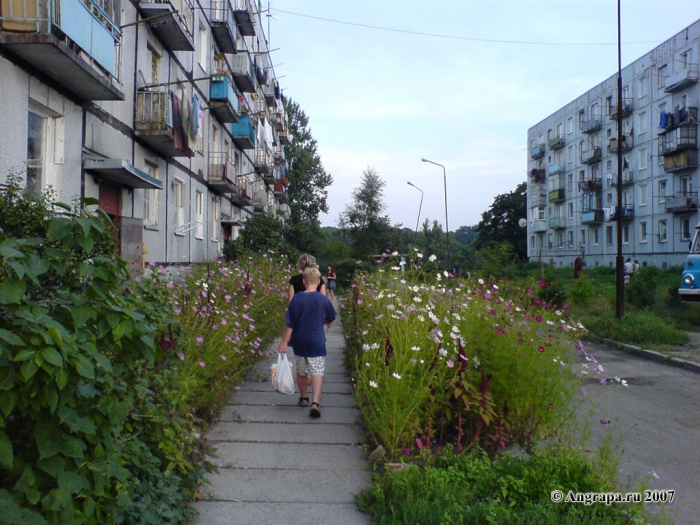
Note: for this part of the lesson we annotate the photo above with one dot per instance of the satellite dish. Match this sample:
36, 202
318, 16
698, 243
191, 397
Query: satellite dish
522, 223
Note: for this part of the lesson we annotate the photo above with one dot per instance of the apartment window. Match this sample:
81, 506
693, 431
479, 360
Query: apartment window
550, 241
532, 242
570, 239
560, 240
643, 194
642, 86
570, 211
151, 199
199, 216
626, 198
570, 125
662, 191
685, 229
583, 238
45, 139
642, 232
538, 213
570, 154
608, 235
625, 94
215, 218
686, 186
559, 130
663, 231
625, 234
570, 182
608, 198
608, 164
642, 122
203, 46
642, 158
596, 236
662, 73
179, 201
686, 59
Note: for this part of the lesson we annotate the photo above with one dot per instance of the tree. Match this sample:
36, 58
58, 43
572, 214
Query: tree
307, 192
500, 222
262, 232
362, 220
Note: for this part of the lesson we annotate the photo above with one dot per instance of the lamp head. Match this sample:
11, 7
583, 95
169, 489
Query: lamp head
409, 183
424, 160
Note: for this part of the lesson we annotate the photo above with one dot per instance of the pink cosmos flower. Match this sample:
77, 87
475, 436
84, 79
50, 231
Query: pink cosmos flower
181, 356
224, 358
200, 340
202, 364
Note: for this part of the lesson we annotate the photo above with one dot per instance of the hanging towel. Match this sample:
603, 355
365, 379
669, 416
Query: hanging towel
194, 116
663, 119
178, 139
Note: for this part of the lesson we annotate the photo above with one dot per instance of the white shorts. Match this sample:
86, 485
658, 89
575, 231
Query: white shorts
310, 366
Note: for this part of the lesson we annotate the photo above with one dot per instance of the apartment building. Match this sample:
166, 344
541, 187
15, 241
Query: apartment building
166, 111
573, 160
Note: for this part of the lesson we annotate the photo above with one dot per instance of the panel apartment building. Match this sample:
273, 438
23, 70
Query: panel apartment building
166, 111
572, 165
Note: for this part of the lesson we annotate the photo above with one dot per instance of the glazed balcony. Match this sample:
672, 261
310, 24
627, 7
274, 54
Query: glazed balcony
591, 125
263, 160
682, 79
222, 172
244, 72
615, 113
243, 194
626, 215
538, 225
682, 202
537, 152
627, 144
74, 43
223, 25
591, 156
592, 217
679, 138
556, 195
681, 160
154, 122
172, 22
557, 223
223, 100
556, 143
281, 191
243, 133
538, 200
245, 17
591, 185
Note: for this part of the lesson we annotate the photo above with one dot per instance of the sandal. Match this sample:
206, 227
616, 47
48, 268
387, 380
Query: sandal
303, 401
315, 411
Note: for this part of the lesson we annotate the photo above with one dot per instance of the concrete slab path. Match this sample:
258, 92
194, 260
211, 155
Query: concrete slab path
277, 465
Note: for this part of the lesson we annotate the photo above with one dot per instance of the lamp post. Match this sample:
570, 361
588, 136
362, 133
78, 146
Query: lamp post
415, 235
447, 226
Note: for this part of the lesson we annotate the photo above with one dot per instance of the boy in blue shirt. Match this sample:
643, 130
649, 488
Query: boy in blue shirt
306, 314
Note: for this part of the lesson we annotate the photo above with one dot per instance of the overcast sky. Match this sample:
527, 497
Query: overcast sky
387, 82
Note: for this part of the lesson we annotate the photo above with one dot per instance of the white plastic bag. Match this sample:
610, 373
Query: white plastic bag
282, 376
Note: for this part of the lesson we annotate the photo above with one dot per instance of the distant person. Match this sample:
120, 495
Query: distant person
635, 266
331, 278
628, 270
306, 314
296, 283
456, 270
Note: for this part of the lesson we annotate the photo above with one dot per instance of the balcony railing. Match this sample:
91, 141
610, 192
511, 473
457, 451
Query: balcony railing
223, 25
681, 79
245, 17
681, 160
243, 195
244, 72
538, 199
154, 122
682, 202
627, 144
537, 152
263, 159
592, 155
556, 143
556, 169
615, 113
557, 223
680, 138
626, 215
243, 133
591, 185
222, 172
172, 21
223, 100
73, 42
538, 225
592, 216
591, 125
627, 177
556, 195
284, 137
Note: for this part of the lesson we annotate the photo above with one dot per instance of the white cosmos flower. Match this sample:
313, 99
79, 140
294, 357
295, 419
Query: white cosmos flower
439, 277
446, 274
373, 384
415, 348
367, 364
419, 255
366, 347
395, 254
417, 298
397, 376
396, 268
375, 346
443, 352
455, 329
421, 318
481, 281
432, 258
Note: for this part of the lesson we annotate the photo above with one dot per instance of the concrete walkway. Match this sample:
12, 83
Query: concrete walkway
278, 466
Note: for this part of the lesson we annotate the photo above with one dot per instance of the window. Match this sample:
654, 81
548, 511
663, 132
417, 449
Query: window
662, 73
151, 199
570, 154
642, 122
45, 139
179, 200
570, 239
626, 198
570, 211
608, 235
625, 234
583, 238
642, 87
596, 236
560, 132
539, 212
215, 218
642, 158
685, 60
608, 198
550, 241
560, 240
686, 186
685, 229
199, 216
643, 194
642, 232
570, 125
570, 182
203, 47
662, 191
663, 231
532, 242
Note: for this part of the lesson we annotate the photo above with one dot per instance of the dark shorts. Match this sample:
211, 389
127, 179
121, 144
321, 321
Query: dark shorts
331, 284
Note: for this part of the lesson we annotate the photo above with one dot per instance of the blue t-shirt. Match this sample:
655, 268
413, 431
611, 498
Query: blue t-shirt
306, 315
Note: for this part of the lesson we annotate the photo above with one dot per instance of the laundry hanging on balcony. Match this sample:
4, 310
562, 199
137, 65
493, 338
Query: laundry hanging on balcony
179, 138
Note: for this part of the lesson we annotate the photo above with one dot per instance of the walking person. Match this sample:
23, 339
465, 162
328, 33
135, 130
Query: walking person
628, 270
331, 280
306, 314
296, 283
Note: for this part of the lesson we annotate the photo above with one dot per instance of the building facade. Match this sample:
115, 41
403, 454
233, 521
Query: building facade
573, 160
166, 111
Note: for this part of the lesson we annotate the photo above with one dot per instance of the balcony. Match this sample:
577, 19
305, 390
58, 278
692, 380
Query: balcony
244, 72
74, 43
243, 133
626, 215
223, 100
281, 191
615, 113
591, 125
681, 160
557, 223
556, 169
592, 185
284, 137
556, 143
172, 21
245, 17
538, 199
154, 123
538, 225
243, 194
556, 195
627, 144
592, 155
681, 79
263, 160
680, 138
627, 177
592, 217
269, 94
537, 152
223, 25
682, 202
222, 172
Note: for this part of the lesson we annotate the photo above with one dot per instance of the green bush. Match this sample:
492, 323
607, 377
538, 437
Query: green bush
641, 290
262, 232
638, 327
345, 270
583, 291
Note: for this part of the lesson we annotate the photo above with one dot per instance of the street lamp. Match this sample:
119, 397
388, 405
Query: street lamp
447, 226
415, 235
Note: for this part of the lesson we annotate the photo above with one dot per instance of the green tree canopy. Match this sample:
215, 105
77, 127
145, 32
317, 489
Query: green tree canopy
500, 222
